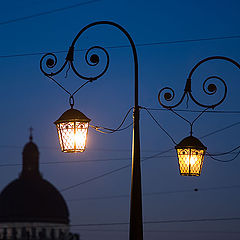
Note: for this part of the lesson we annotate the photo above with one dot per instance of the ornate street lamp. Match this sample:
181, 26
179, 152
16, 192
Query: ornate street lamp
72, 126
190, 150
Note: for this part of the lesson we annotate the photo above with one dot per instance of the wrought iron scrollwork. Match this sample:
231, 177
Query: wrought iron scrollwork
92, 60
49, 61
209, 87
169, 95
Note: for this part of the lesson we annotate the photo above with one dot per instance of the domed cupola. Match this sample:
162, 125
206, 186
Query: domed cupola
30, 154
31, 200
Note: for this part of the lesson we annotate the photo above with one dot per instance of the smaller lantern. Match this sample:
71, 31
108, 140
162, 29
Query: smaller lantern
190, 153
72, 128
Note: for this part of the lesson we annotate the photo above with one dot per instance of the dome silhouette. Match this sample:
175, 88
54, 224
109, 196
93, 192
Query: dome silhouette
30, 198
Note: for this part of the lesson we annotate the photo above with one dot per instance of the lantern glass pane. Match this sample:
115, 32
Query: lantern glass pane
72, 136
190, 161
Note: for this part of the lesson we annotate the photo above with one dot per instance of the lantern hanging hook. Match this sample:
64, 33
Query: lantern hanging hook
71, 101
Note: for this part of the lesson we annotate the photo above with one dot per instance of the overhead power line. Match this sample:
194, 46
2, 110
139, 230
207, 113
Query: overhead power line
150, 222
157, 193
162, 231
160, 222
111, 172
220, 130
47, 12
195, 111
127, 46
94, 178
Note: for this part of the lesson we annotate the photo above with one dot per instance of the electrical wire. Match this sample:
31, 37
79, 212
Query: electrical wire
219, 160
156, 193
225, 153
94, 178
80, 161
68, 161
111, 172
162, 231
220, 130
154, 119
212, 156
126, 46
204, 136
161, 221
118, 129
110, 130
47, 12
194, 111
170, 221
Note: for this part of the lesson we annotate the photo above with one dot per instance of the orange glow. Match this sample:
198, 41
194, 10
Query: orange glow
73, 136
190, 161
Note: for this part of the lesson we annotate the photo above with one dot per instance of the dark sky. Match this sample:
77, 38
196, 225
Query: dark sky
30, 99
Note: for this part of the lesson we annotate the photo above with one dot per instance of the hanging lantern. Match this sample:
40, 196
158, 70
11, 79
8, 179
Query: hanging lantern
190, 153
72, 128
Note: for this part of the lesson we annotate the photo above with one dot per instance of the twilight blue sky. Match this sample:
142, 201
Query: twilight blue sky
30, 99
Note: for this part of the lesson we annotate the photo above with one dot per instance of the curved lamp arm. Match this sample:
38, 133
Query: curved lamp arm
71, 50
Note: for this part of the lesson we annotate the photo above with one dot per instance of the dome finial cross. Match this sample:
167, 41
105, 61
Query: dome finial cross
31, 137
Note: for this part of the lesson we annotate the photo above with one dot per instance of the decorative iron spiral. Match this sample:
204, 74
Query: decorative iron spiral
92, 60
49, 61
168, 94
209, 88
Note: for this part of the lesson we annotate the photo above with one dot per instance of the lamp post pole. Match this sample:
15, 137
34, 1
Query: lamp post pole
136, 223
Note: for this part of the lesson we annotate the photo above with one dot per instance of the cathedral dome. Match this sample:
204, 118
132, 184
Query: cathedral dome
30, 198
35, 200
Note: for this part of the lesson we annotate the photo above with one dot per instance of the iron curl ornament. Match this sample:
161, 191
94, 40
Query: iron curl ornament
209, 87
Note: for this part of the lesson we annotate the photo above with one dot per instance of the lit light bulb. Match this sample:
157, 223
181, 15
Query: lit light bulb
193, 160
80, 138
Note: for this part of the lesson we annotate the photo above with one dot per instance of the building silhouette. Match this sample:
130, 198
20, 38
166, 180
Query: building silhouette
31, 208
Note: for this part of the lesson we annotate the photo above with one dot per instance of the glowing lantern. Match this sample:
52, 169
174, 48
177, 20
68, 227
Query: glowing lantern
72, 128
190, 153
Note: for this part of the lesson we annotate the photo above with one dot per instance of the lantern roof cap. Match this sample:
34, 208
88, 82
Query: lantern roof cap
72, 115
191, 142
